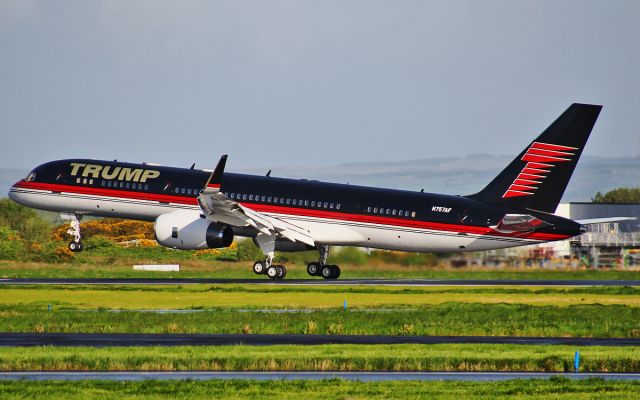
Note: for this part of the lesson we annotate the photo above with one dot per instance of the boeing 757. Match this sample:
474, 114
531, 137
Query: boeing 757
198, 209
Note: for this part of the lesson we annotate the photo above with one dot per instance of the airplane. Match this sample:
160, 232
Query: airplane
199, 209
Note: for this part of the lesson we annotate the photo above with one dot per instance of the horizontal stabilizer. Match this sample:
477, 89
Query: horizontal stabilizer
594, 221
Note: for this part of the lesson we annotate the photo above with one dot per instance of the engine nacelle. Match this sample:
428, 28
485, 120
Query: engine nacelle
186, 230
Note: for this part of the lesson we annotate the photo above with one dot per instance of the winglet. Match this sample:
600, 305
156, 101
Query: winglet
215, 180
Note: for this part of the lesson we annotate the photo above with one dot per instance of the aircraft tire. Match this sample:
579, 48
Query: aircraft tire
273, 272
80, 246
313, 269
326, 272
258, 268
335, 272
73, 246
282, 271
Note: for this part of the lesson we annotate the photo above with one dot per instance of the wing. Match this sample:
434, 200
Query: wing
219, 208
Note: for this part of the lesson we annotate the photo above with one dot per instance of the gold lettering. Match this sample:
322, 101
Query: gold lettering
149, 174
127, 174
93, 170
112, 175
75, 167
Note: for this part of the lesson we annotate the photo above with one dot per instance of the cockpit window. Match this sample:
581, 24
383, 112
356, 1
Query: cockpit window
31, 177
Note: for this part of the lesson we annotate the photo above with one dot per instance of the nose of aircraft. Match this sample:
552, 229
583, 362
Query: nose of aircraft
13, 194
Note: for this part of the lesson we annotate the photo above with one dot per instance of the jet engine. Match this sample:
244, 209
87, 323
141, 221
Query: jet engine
187, 230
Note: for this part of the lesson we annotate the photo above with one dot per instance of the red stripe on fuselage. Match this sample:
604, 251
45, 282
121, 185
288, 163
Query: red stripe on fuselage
292, 211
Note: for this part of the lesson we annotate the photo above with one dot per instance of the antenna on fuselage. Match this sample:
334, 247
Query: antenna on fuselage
193, 166
269, 173
422, 190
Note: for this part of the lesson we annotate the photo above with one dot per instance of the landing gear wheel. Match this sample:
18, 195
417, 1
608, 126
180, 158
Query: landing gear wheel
330, 272
313, 269
80, 246
258, 268
282, 271
74, 246
273, 272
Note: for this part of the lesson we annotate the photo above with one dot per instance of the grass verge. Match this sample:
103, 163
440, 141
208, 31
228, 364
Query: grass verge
122, 268
247, 296
441, 357
555, 388
442, 319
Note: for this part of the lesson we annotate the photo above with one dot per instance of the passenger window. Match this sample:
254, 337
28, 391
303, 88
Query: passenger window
84, 181
269, 199
393, 212
325, 205
295, 202
146, 186
406, 213
244, 196
103, 183
306, 203
413, 214
183, 190
264, 198
177, 190
121, 184
375, 210
129, 185
369, 209
108, 183
250, 197
382, 211
388, 211
338, 206
281, 200
288, 200
331, 206
313, 204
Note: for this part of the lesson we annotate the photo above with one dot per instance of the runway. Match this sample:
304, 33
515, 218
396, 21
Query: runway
165, 339
318, 282
304, 375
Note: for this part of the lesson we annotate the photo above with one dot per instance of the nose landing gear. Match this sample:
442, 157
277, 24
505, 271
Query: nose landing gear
76, 244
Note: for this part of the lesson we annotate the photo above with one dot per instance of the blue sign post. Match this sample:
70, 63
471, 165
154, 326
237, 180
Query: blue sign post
345, 304
576, 362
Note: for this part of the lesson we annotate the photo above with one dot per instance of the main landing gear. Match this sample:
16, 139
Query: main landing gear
267, 244
320, 268
76, 244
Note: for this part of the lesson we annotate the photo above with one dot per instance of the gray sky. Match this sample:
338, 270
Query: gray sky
309, 82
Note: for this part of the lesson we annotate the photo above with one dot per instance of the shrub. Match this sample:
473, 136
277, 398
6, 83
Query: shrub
248, 251
11, 247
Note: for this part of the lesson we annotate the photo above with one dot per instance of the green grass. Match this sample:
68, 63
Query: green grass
441, 357
251, 296
550, 389
190, 268
441, 319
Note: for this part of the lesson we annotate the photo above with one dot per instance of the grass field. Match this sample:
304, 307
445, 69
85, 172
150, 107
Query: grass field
441, 319
441, 357
251, 296
550, 389
223, 269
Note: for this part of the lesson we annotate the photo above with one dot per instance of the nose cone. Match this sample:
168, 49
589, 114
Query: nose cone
14, 193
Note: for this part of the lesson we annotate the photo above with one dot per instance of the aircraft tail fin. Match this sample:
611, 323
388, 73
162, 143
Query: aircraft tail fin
538, 177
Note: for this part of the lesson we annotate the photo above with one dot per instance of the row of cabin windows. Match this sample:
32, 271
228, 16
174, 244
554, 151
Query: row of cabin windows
181, 190
389, 211
283, 200
119, 184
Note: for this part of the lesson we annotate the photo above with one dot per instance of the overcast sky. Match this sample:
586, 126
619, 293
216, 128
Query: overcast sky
276, 83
